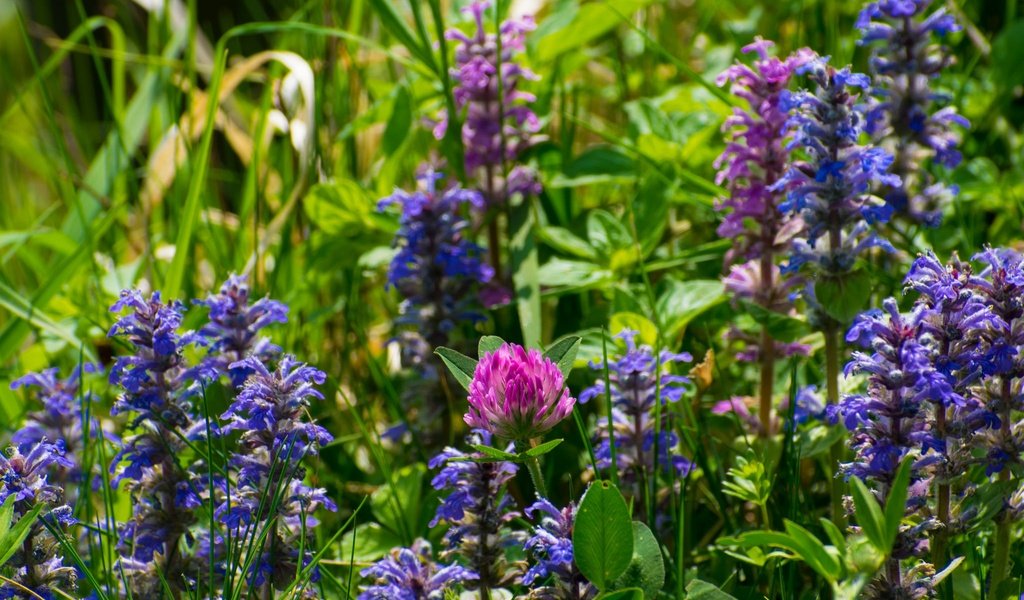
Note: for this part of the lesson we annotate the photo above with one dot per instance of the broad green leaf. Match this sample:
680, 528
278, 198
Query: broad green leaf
600, 164
648, 331
814, 553
834, 535
701, 590
544, 448
602, 538
783, 328
896, 503
17, 534
845, 297
397, 504
559, 272
400, 122
563, 353
371, 542
590, 22
646, 569
817, 441
1008, 56
682, 301
565, 241
488, 344
607, 234
869, 515
342, 208
460, 365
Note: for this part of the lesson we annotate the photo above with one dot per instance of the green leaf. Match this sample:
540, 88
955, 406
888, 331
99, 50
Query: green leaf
6, 515
814, 553
563, 240
460, 365
602, 538
702, 590
17, 534
834, 535
488, 344
607, 234
844, 298
523, 251
646, 569
869, 515
397, 504
1008, 55
682, 301
563, 353
783, 328
600, 164
896, 503
590, 22
627, 594
397, 129
342, 208
397, 27
817, 441
559, 272
648, 331
494, 454
543, 449
371, 542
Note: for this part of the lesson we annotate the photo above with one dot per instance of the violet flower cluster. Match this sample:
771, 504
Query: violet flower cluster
155, 382
754, 159
478, 511
908, 115
61, 420
270, 412
437, 270
499, 124
233, 331
553, 574
888, 425
642, 446
411, 574
38, 566
830, 190
517, 394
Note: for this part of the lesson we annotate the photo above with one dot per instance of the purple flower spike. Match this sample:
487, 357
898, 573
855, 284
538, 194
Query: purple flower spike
830, 190
233, 332
639, 379
499, 124
479, 511
517, 394
36, 565
553, 573
907, 115
412, 574
437, 270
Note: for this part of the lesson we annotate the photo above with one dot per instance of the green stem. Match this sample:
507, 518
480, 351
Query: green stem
832, 396
533, 466
1001, 560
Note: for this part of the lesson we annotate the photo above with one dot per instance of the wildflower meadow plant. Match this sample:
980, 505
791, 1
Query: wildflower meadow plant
909, 116
755, 158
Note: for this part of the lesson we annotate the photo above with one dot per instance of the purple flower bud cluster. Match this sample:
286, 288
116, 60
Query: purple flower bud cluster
38, 569
888, 424
233, 332
639, 381
411, 574
61, 420
478, 511
553, 575
908, 116
155, 384
499, 124
755, 158
437, 270
830, 189
270, 412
